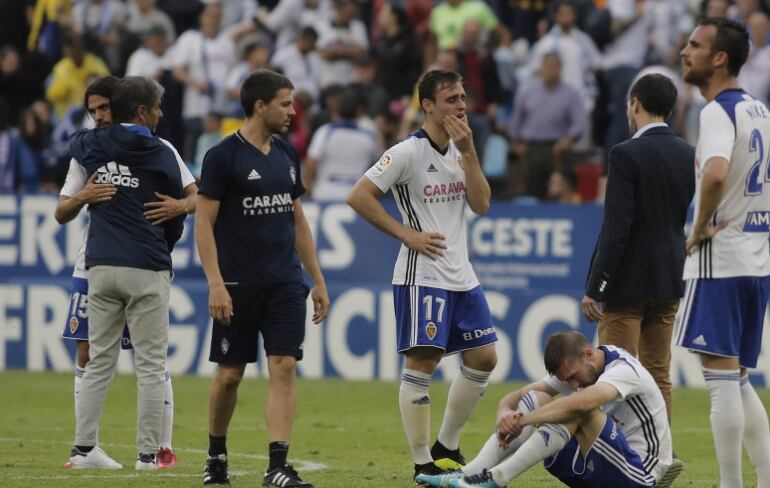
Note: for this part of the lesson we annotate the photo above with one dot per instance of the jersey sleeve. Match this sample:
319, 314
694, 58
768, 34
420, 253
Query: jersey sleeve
214, 180
392, 168
76, 179
717, 133
623, 377
187, 177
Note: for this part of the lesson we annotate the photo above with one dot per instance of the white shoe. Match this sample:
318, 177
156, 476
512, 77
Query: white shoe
145, 462
95, 458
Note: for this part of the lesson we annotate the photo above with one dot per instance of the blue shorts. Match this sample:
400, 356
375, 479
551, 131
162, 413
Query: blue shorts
609, 462
724, 317
77, 317
450, 320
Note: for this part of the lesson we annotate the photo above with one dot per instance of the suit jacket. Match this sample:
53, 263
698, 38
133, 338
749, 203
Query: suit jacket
640, 251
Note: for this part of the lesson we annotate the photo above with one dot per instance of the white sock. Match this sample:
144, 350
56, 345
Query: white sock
491, 453
79, 372
464, 394
552, 438
414, 402
727, 422
756, 433
167, 427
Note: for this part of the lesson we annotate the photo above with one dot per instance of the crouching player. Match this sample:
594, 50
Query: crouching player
607, 428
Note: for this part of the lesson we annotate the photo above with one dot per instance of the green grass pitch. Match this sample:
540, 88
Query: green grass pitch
349, 432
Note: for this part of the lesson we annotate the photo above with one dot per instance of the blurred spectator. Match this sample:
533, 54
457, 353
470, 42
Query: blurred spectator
341, 39
562, 188
36, 163
545, 123
283, 22
397, 53
71, 75
371, 94
9, 157
50, 18
671, 27
18, 88
14, 31
387, 129
523, 17
144, 16
184, 13
509, 56
234, 11
300, 63
575, 48
449, 17
479, 73
743, 9
716, 8
101, 24
255, 56
623, 58
212, 134
755, 74
339, 153
153, 58
202, 60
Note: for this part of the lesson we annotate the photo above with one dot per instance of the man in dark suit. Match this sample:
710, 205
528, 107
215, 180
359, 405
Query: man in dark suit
636, 268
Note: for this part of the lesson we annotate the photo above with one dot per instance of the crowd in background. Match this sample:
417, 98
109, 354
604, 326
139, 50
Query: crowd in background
546, 80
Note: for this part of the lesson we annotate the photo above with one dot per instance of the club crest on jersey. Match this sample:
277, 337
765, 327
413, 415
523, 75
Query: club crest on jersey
293, 175
74, 324
224, 344
381, 165
431, 330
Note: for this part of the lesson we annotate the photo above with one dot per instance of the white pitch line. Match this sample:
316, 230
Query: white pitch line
302, 465
117, 475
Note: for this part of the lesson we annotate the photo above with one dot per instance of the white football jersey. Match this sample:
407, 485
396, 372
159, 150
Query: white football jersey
639, 410
429, 189
735, 126
76, 180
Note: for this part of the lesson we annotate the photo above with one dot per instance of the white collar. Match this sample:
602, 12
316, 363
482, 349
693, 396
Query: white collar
648, 127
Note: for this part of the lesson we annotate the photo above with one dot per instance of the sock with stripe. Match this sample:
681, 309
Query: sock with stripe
546, 441
79, 372
727, 422
756, 433
279, 451
464, 394
491, 453
414, 403
167, 425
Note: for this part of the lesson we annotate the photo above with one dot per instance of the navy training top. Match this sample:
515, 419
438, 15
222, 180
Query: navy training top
138, 164
254, 231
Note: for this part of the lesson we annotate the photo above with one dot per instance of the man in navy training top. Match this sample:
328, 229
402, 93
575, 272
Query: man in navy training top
251, 234
128, 261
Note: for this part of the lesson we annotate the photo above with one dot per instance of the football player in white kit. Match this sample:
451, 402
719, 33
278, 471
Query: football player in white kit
75, 194
608, 428
440, 307
727, 272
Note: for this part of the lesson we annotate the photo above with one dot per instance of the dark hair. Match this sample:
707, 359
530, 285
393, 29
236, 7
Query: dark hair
102, 86
561, 346
308, 33
431, 82
347, 107
656, 93
732, 39
262, 84
132, 92
562, 3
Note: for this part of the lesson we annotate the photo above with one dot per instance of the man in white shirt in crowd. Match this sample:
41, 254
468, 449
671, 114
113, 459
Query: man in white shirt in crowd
341, 40
300, 62
755, 74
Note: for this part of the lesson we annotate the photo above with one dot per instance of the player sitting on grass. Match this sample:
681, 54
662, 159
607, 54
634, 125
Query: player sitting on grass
608, 428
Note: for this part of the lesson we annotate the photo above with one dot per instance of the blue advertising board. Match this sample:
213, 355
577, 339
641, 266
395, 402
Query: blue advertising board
531, 261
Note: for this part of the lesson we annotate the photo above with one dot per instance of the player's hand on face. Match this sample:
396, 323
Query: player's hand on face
220, 304
320, 296
459, 132
591, 310
430, 244
710, 232
164, 209
96, 192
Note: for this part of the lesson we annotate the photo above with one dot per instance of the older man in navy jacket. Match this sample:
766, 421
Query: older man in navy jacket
636, 268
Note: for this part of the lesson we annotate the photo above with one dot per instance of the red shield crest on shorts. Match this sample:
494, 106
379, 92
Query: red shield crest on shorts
74, 323
430, 330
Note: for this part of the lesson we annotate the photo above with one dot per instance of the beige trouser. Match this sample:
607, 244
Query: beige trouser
137, 297
643, 328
